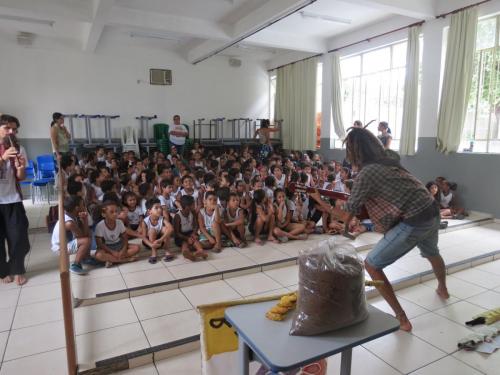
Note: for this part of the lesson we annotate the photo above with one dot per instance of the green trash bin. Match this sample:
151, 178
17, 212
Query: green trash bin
161, 137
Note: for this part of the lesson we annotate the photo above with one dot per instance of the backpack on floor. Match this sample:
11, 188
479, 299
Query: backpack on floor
52, 217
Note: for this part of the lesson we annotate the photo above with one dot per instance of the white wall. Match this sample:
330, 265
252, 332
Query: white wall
48, 77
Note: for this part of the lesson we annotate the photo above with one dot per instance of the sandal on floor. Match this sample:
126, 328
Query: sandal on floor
169, 257
153, 260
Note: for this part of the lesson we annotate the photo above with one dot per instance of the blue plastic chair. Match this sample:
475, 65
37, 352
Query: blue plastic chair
30, 176
45, 175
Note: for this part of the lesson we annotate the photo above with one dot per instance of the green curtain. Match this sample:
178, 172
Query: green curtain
457, 79
410, 101
295, 104
337, 101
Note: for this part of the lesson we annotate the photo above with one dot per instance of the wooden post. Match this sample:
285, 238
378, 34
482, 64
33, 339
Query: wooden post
67, 299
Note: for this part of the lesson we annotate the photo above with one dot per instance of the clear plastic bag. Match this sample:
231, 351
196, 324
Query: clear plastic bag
331, 289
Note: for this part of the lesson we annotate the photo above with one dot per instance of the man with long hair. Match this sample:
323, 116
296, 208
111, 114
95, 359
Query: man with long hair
400, 206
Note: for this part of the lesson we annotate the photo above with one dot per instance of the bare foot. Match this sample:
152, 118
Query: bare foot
6, 280
20, 279
443, 293
275, 240
258, 241
404, 323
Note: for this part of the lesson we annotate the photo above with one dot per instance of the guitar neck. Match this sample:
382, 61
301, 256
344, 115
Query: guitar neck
329, 193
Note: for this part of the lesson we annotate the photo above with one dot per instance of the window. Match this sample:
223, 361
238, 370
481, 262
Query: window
481, 127
373, 88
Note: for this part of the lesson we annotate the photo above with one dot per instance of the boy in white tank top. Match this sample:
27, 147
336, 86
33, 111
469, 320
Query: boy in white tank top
209, 222
234, 221
186, 228
157, 231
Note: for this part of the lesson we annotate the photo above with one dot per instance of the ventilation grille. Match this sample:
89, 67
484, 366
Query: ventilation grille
160, 77
24, 38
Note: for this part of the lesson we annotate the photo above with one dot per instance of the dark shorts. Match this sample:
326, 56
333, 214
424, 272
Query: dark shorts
178, 241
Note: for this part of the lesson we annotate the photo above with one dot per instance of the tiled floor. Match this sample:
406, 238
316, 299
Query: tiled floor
31, 333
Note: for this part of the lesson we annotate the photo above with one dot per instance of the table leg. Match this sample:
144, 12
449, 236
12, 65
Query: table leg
244, 354
345, 362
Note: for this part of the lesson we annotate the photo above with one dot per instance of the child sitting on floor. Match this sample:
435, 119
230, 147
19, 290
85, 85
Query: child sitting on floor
234, 220
209, 223
134, 213
284, 229
167, 198
77, 233
261, 217
157, 231
112, 238
186, 227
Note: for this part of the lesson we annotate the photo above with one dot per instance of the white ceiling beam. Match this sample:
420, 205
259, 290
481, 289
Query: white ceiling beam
250, 23
421, 9
165, 23
50, 9
101, 10
273, 39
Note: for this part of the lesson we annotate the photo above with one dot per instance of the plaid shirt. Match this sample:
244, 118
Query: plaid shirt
390, 195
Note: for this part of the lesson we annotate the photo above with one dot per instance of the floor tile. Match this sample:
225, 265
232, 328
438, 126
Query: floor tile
109, 343
141, 265
252, 283
142, 370
403, 351
491, 267
171, 327
48, 363
231, 263
412, 310
486, 363
40, 293
3, 342
7, 315
286, 276
488, 300
446, 366
479, 277
413, 265
33, 340
89, 288
8, 298
98, 272
269, 293
458, 288
212, 292
362, 360
40, 276
184, 364
38, 313
192, 269
424, 296
460, 312
157, 304
104, 315
439, 331
149, 277
264, 254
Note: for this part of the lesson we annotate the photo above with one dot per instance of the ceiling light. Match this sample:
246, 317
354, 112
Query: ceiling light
139, 34
27, 20
325, 17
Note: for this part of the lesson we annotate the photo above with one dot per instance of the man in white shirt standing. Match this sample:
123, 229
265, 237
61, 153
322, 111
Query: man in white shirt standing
12, 213
177, 135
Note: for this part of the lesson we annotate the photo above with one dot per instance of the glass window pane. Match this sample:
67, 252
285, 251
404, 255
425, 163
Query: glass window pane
486, 30
350, 66
399, 55
377, 60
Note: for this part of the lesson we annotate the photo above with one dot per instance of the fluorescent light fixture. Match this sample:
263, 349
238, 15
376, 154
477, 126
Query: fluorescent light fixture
27, 20
324, 17
140, 34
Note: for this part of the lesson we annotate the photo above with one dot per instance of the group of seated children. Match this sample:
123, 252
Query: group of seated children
201, 200
443, 192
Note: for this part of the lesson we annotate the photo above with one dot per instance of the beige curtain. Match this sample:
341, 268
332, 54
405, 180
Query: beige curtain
337, 101
457, 80
408, 139
295, 104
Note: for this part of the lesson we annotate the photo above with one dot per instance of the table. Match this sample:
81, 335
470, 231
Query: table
271, 343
